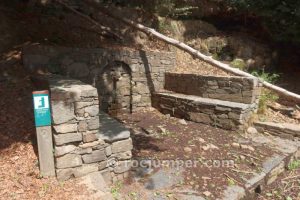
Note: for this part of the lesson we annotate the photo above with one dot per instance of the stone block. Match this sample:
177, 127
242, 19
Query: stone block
272, 176
91, 144
82, 151
136, 98
102, 165
65, 128
62, 112
69, 160
93, 123
225, 123
79, 112
95, 156
123, 155
108, 150
141, 88
233, 115
64, 174
200, 117
82, 126
256, 180
89, 137
223, 109
122, 146
89, 92
79, 105
100, 146
62, 150
92, 110
85, 169
122, 166
67, 138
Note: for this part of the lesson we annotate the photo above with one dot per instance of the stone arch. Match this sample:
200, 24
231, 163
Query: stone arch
115, 88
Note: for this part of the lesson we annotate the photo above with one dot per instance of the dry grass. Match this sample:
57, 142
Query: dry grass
187, 64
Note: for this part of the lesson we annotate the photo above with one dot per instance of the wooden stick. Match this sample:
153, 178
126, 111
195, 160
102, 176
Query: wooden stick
208, 59
233, 179
240, 171
255, 158
287, 178
105, 29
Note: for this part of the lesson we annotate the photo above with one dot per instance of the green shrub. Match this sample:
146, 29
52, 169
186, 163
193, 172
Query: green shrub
280, 18
294, 165
271, 78
238, 63
266, 96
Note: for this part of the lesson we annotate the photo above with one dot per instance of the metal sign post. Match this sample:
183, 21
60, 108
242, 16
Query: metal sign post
42, 117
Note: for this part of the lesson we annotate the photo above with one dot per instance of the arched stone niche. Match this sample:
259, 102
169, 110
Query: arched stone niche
115, 88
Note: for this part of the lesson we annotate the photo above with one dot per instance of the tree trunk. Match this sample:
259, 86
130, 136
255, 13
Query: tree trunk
149, 31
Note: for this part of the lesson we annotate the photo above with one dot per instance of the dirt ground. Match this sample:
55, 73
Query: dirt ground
160, 137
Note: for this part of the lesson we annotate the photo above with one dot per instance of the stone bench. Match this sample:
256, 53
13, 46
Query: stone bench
223, 114
233, 88
85, 139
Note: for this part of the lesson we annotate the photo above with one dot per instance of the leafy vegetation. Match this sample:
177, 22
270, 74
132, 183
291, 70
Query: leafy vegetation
281, 18
238, 63
295, 164
115, 190
271, 78
266, 95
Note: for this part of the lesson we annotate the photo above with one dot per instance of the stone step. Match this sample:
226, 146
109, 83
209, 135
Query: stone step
224, 114
232, 88
288, 151
284, 130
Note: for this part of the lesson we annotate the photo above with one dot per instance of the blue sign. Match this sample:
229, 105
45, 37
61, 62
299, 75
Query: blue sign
41, 103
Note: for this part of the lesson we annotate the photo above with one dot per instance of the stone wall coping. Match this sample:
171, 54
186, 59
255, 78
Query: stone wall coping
68, 84
207, 101
210, 76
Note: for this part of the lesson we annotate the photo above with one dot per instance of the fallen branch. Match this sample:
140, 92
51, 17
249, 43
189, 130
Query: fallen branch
292, 177
247, 155
241, 171
192, 51
229, 177
106, 30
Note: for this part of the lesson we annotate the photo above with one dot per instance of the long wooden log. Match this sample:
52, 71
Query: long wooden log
105, 29
149, 31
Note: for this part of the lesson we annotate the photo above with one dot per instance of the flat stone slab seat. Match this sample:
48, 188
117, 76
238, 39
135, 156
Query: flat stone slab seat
284, 130
111, 130
224, 114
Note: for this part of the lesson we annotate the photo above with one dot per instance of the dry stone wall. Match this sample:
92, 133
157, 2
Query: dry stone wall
146, 70
235, 89
86, 139
223, 114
